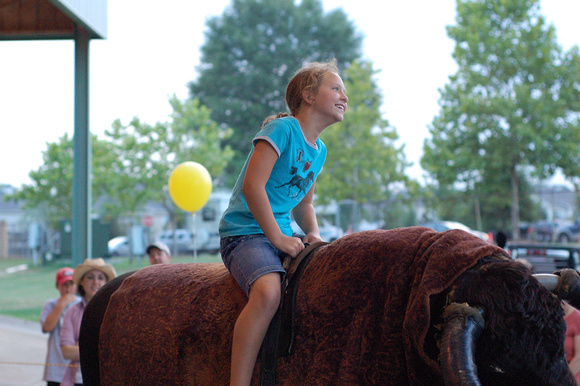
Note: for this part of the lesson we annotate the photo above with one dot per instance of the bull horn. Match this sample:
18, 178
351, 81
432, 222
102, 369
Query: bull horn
564, 283
548, 280
463, 326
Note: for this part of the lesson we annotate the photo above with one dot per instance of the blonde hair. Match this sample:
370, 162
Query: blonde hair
308, 79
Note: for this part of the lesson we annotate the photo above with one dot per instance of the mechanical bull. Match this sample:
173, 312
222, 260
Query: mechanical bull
404, 306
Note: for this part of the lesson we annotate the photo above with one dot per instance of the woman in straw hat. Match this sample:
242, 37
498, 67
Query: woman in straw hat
89, 278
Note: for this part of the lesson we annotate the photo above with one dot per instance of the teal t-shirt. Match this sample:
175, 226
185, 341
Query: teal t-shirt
298, 165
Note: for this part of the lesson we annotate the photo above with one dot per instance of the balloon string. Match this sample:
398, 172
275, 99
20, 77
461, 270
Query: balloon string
194, 238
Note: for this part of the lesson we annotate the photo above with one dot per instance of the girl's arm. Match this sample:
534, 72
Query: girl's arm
305, 217
259, 169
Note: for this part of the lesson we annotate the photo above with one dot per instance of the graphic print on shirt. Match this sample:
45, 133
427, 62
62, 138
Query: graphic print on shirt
297, 183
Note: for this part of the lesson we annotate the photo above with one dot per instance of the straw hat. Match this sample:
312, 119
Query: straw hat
90, 264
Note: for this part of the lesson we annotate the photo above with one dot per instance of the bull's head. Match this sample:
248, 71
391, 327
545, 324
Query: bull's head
523, 342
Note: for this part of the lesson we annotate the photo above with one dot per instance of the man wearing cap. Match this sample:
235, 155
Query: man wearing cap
159, 253
51, 321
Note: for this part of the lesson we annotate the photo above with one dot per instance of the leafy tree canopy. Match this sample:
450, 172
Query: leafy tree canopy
141, 156
131, 166
50, 193
514, 102
363, 162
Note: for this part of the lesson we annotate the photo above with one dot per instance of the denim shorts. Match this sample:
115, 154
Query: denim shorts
249, 257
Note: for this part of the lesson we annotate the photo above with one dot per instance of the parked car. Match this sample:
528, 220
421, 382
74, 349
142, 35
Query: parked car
183, 240
543, 230
328, 232
365, 225
118, 246
546, 257
525, 231
569, 233
442, 226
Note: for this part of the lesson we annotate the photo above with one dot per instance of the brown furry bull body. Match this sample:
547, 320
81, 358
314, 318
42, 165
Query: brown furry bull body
366, 312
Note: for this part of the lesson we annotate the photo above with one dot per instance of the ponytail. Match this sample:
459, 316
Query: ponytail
270, 118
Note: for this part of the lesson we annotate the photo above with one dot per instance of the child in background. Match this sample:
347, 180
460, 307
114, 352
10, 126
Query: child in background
51, 321
277, 179
572, 342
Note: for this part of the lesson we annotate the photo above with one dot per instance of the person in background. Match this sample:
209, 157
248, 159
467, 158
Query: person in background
572, 342
277, 180
501, 239
51, 321
159, 253
89, 278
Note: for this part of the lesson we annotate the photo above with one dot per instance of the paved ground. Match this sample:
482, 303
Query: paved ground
22, 349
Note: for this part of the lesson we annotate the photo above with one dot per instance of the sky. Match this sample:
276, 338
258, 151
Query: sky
152, 51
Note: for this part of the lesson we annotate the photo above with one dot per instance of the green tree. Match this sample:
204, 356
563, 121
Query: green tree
488, 198
141, 156
252, 51
131, 166
50, 193
512, 105
363, 163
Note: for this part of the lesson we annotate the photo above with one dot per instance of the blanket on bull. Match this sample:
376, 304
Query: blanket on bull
362, 314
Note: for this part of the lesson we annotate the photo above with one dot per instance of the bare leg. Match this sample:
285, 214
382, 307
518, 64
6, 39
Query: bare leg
252, 325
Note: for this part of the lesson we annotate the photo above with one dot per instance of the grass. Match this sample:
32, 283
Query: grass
23, 293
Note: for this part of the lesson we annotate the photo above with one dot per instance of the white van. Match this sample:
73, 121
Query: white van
206, 222
182, 238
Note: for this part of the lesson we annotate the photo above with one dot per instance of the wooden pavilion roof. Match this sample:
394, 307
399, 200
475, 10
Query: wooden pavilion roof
37, 20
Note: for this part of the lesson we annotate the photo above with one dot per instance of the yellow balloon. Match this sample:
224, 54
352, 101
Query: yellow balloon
190, 186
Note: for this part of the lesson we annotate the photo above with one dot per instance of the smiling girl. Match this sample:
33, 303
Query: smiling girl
277, 180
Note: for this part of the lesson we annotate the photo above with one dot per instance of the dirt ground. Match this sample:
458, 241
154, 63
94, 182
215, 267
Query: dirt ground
22, 352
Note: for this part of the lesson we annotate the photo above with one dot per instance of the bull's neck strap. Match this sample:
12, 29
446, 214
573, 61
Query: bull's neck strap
310, 248
284, 317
